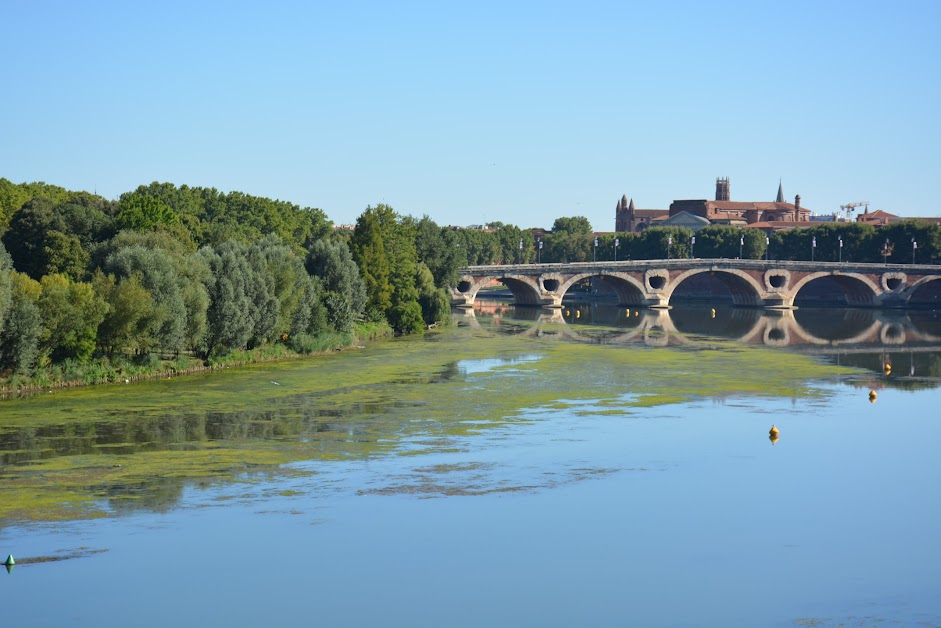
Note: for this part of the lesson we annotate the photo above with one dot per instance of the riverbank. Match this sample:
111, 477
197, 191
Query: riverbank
128, 369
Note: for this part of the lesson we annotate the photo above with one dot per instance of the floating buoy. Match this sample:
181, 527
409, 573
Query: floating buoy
872, 396
636, 312
9, 561
578, 314
773, 437
774, 431
887, 369
568, 313
713, 312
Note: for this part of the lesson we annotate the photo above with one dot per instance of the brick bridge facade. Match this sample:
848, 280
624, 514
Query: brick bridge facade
752, 283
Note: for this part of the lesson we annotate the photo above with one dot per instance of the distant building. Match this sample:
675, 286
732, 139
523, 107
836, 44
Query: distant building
880, 218
627, 219
722, 211
685, 219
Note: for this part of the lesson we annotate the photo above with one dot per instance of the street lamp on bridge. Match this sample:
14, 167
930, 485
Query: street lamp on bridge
914, 247
692, 248
521, 250
741, 243
885, 252
669, 244
539, 252
840, 259
594, 251
616, 244
813, 247
767, 248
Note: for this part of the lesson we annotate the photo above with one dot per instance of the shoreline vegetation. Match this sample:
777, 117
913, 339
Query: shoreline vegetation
128, 370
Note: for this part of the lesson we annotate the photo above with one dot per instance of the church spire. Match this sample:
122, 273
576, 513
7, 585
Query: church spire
780, 198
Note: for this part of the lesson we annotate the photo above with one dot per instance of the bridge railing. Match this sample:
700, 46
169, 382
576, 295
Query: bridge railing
927, 269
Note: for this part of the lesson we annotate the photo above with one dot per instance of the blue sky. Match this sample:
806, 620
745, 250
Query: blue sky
475, 112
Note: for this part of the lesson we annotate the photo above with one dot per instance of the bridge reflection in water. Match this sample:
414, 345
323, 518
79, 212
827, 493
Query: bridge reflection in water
880, 334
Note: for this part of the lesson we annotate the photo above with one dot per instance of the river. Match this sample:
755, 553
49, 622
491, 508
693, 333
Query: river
592, 466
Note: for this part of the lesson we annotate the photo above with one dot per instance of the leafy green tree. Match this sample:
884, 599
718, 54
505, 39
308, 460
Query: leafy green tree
158, 275
22, 326
438, 249
13, 196
130, 311
6, 266
369, 251
25, 240
311, 315
71, 313
141, 212
572, 224
229, 319
64, 254
344, 293
434, 301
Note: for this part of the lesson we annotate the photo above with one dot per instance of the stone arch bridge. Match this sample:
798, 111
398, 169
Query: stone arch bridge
751, 283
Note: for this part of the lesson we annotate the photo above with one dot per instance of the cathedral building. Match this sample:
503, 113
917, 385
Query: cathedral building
722, 211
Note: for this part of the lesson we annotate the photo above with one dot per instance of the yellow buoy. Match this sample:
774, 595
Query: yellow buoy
872, 396
774, 431
887, 369
773, 437
713, 312
578, 314
636, 312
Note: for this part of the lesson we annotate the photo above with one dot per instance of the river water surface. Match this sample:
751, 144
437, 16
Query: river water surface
593, 466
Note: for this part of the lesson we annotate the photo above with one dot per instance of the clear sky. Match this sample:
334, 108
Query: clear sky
479, 111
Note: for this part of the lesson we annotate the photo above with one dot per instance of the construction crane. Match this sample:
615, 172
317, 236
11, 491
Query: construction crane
851, 207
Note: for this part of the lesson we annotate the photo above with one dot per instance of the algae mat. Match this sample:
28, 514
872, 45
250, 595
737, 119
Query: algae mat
101, 451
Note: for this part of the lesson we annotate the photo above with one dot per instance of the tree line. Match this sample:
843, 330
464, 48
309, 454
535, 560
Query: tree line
167, 270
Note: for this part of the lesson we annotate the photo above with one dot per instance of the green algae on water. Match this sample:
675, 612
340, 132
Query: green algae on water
95, 452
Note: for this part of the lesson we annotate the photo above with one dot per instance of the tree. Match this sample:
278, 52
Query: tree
130, 310
20, 331
229, 320
572, 224
157, 273
141, 212
344, 293
434, 301
437, 249
6, 266
369, 252
71, 313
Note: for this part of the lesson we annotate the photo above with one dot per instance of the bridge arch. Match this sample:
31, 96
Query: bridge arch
628, 289
857, 290
524, 289
926, 292
745, 290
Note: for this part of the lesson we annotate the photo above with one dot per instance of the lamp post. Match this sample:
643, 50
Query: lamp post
914, 247
669, 244
885, 253
840, 259
767, 248
594, 251
741, 243
813, 247
616, 244
521, 250
692, 248
539, 252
